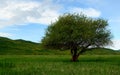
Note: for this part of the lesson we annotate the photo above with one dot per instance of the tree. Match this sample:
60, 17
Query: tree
77, 33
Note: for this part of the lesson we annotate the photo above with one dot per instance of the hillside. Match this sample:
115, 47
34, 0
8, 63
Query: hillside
22, 47
102, 51
9, 46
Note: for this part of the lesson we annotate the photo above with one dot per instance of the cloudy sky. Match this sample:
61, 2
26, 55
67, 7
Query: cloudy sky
28, 19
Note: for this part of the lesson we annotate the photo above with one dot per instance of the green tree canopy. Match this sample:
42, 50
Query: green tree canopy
77, 33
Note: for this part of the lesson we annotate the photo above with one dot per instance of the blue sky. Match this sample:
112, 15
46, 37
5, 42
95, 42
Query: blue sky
28, 19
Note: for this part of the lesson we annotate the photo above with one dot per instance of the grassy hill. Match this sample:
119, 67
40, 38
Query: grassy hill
22, 47
9, 46
102, 51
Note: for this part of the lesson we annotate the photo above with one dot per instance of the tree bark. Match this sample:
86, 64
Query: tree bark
75, 58
74, 54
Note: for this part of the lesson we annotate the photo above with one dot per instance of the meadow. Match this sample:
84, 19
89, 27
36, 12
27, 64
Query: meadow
59, 65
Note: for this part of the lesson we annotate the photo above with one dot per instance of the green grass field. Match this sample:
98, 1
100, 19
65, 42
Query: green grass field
59, 65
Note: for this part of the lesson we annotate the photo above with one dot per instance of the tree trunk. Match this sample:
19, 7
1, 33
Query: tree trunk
75, 58
74, 54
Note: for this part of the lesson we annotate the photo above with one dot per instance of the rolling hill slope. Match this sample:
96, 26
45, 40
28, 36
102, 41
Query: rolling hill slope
9, 46
22, 47
102, 51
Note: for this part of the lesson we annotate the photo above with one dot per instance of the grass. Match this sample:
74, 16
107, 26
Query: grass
59, 65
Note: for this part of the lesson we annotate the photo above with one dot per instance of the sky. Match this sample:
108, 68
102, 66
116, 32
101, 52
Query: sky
29, 19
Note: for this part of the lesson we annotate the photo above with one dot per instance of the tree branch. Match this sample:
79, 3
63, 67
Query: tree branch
83, 49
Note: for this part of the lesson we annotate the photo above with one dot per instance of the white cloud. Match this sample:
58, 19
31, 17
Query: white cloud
114, 20
20, 12
90, 12
116, 45
45, 19
5, 34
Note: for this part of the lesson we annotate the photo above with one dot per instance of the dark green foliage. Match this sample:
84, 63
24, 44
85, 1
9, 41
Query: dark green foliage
77, 33
78, 30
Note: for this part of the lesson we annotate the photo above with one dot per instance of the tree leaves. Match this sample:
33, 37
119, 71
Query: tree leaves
77, 30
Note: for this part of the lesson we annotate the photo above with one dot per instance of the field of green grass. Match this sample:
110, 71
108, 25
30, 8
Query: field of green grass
59, 65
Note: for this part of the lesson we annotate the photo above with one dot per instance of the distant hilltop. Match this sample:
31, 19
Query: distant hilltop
23, 47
